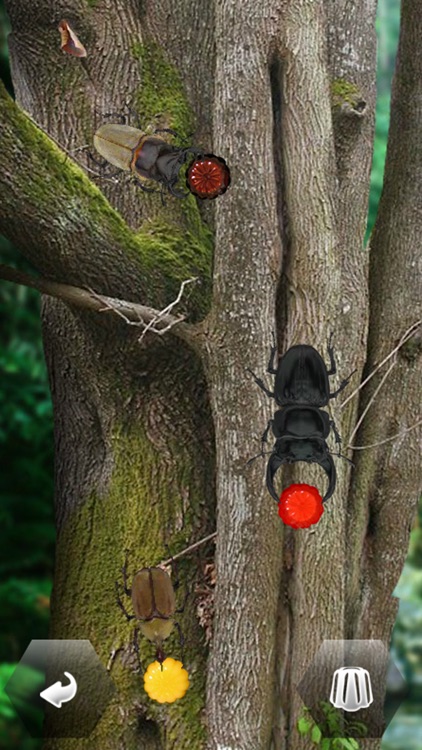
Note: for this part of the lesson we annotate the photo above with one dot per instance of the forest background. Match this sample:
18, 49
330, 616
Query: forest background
26, 457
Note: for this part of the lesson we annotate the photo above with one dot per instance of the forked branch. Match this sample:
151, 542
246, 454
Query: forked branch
147, 318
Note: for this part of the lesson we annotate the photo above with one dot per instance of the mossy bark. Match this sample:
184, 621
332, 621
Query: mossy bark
133, 471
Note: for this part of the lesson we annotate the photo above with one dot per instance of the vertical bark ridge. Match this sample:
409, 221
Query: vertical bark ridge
246, 271
310, 193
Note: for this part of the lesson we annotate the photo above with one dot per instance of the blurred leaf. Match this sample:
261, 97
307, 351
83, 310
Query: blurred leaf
316, 735
304, 725
6, 708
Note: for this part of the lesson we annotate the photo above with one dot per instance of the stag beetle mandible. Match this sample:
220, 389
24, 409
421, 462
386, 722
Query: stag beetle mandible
300, 427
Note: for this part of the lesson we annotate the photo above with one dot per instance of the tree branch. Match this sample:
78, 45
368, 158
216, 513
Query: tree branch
65, 227
131, 312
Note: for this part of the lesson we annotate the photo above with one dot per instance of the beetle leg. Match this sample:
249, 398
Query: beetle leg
182, 608
340, 455
274, 463
122, 119
271, 369
181, 640
336, 432
169, 130
333, 368
131, 116
121, 605
127, 590
264, 438
177, 193
258, 455
145, 188
136, 647
101, 164
136, 118
342, 385
261, 384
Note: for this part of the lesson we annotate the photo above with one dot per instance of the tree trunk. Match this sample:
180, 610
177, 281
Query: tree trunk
152, 439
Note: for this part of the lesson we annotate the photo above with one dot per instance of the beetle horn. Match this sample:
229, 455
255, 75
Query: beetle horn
274, 463
327, 464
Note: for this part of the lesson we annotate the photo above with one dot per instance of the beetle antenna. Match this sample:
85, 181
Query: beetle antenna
258, 455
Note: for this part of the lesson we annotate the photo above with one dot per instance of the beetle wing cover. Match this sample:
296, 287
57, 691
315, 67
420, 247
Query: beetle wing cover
153, 594
116, 143
302, 377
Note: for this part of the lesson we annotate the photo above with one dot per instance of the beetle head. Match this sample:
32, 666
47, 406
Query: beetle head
311, 450
169, 162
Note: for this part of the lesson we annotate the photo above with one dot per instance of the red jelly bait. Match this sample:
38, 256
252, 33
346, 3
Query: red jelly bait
300, 506
208, 177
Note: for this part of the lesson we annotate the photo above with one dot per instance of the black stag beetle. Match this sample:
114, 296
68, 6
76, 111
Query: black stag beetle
300, 426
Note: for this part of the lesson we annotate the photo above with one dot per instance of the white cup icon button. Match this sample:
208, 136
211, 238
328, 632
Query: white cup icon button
351, 689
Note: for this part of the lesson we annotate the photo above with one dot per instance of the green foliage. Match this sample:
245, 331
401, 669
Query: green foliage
25, 610
341, 732
4, 51
12, 732
415, 550
388, 24
26, 456
380, 147
6, 708
26, 487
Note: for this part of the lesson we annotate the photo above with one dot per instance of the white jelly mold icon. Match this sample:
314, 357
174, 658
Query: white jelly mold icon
351, 689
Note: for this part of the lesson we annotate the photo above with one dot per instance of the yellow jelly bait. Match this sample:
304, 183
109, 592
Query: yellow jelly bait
168, 684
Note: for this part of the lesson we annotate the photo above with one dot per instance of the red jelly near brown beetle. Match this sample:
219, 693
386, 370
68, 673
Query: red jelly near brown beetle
208, 177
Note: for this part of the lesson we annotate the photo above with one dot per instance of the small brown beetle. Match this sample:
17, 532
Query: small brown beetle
154, 605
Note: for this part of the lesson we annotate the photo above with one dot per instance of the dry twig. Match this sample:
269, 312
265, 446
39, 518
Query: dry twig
147, 318
406, 336
189, 549
387, 440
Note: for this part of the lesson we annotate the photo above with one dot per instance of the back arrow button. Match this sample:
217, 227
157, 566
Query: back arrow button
57, 694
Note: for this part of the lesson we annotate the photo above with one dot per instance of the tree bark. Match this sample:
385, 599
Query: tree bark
153, 439
390, 480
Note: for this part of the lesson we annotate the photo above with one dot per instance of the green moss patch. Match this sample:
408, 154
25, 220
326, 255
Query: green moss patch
344, 92
161, 98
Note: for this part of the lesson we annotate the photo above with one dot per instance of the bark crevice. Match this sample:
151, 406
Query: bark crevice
276, 82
